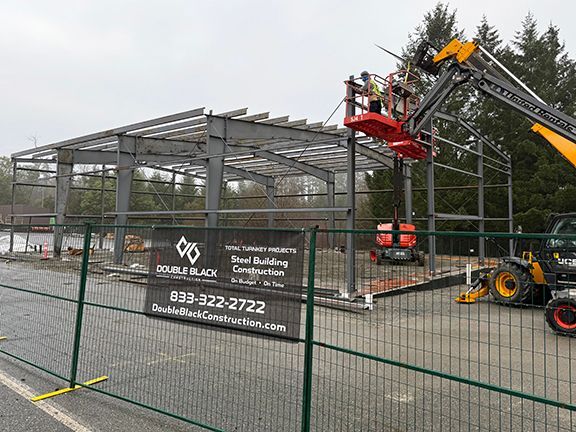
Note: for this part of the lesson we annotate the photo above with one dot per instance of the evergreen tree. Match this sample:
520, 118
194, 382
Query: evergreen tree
5, 180
543, 180
488, 36
438, 27
186, 192
490, 118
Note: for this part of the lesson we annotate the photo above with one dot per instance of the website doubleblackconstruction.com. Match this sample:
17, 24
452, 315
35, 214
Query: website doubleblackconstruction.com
209, 316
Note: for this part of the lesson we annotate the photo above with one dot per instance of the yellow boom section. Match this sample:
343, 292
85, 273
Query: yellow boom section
462, 51
566, 147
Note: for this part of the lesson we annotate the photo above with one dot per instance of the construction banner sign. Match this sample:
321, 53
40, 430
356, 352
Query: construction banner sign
244, 280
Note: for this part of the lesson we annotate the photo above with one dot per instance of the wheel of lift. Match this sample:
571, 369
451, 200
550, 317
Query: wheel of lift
511, 284
561, 316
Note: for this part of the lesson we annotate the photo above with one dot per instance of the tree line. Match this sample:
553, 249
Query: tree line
543, 182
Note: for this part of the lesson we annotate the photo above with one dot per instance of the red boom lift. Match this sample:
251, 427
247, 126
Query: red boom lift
399, 102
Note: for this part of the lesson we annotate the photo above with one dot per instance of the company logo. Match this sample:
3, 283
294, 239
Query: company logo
551, 117
567, 261
186, 248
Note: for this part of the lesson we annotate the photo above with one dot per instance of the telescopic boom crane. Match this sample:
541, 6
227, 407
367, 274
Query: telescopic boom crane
469, 63
515, 280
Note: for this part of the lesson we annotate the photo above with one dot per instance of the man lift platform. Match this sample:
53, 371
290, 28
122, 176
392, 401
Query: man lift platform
399, 102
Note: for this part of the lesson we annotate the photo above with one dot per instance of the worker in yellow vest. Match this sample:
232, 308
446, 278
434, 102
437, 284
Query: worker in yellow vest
373, 91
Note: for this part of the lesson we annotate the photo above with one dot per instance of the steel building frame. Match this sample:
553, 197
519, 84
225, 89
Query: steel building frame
237, 146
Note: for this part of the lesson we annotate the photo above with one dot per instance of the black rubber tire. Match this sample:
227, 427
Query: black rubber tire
521, 284
561, 316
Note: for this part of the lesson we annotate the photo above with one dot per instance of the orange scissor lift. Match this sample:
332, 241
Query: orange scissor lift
398, 103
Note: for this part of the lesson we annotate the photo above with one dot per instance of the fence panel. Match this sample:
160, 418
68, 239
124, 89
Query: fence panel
220, 378
38, 296
420, 361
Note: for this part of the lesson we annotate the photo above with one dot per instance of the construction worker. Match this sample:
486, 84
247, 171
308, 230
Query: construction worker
374, 96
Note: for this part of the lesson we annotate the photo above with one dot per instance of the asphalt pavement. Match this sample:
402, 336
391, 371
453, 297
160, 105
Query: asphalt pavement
242, 382
81, 410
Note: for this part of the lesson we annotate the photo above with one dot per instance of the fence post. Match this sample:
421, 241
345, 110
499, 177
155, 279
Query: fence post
309, 336
80, 303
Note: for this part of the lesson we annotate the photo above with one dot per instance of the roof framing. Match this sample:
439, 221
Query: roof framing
256, 146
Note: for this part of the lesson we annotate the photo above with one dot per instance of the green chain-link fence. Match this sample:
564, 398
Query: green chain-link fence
384, 348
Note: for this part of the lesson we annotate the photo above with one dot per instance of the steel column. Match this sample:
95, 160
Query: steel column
331, 202
124, 177
215, 172
216, 145
351, 200
173, 196
102, 218
510, 209
408, 192
481, 213
431, 204
13, 203
271, 202
64, 170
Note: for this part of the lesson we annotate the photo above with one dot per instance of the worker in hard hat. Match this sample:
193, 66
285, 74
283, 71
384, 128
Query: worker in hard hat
373, 91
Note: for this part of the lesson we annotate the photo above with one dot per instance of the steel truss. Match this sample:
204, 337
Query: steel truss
237, 146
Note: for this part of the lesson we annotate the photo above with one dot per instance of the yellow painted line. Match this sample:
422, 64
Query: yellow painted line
68, 389
3, 338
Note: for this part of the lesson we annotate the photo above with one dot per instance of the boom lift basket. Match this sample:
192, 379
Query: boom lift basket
398, 103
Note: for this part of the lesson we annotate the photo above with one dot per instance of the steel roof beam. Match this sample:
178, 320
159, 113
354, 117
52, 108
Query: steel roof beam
94, 157
276, 120
237, 130
308, 169
108, 142
201, 130
116, 131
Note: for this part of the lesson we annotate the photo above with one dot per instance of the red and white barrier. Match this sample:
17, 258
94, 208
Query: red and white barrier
45, 250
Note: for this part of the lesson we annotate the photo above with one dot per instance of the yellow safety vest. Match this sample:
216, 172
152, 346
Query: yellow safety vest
374, 92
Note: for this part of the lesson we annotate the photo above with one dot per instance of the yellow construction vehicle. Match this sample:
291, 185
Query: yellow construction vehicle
553, 267
470, 63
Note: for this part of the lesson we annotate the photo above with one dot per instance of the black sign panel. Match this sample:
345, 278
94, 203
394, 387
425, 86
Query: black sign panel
246, 280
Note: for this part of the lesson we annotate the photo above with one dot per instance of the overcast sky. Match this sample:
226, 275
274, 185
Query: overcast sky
73, 67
